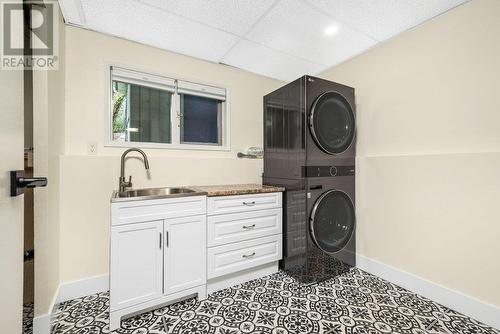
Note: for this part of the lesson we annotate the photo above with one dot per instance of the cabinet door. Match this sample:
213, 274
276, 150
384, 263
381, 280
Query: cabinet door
136, 263
185, 253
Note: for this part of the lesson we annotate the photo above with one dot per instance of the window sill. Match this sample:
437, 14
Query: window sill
180, 147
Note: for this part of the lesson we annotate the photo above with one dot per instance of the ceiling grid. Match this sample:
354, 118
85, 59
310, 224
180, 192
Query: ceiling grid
283, 39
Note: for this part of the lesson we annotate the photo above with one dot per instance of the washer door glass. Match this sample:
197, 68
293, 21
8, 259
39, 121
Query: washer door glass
332, 221
332, 123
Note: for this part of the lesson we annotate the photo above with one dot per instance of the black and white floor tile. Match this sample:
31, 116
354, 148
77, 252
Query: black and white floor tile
352, 303
28, 313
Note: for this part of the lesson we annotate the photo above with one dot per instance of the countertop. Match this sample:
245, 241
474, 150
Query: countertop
237, 189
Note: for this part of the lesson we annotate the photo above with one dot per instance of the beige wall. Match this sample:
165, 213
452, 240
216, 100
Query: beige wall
87, 180
428, 163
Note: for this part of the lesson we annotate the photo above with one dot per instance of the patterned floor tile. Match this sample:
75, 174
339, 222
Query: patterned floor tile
28, 313
352, 303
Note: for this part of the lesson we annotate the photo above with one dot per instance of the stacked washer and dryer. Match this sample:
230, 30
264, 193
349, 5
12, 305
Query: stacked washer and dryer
309, 134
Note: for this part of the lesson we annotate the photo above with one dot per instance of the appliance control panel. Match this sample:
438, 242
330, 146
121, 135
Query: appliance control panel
327, 171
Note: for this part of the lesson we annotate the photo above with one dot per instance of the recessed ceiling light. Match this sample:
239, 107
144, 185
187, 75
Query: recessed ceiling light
331, 30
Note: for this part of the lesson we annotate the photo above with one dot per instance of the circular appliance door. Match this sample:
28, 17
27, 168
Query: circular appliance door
332, 123
332, 221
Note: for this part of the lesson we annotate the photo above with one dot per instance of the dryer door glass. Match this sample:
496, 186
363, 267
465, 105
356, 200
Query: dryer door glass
332, 221
332, 123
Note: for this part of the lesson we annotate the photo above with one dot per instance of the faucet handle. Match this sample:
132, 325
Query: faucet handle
126, 183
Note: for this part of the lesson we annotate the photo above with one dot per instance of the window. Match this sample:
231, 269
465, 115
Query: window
150, 110
201, 109
200, 119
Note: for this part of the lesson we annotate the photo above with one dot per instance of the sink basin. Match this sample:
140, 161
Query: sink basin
154, 193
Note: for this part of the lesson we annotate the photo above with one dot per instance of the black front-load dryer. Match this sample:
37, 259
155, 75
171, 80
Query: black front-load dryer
323, 245
308, 122
330, 111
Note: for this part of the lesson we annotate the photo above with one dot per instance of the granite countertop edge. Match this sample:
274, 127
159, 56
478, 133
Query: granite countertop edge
236, 189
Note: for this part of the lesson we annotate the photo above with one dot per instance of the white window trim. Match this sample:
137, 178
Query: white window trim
175, 130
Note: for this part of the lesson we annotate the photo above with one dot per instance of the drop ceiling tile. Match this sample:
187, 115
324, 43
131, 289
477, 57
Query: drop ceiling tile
298, 29
235, 16
138, 22
72, 11
283, 38
259, 59
383, 19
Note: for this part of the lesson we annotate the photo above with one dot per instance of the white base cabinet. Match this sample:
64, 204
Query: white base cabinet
156, 262
185, 253
136, 264
161, 253
244, 238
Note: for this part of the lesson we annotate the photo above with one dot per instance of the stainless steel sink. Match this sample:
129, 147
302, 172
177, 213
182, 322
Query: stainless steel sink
154, 193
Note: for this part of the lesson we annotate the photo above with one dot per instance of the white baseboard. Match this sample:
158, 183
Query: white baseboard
67, 291
470, 306
41, 324
83, 287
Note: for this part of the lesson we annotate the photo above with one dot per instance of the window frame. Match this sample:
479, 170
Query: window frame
174, 115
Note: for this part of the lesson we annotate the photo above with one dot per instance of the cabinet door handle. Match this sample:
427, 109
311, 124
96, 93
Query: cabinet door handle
248, 256
248, 227
161, 238
249, 203
167, 239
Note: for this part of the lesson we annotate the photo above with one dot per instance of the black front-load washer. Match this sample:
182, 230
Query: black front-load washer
332, 221
319, 226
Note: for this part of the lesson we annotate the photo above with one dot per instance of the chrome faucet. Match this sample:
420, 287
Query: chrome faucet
122, 185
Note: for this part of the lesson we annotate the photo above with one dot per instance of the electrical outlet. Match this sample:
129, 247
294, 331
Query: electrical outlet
92, 148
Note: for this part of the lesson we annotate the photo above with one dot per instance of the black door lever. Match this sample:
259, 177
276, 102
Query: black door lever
18, 182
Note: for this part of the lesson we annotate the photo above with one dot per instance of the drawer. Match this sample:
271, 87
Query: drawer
239, 203
234, 257
235, 227
154, 209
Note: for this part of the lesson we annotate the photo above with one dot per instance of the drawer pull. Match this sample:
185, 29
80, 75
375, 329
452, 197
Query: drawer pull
249, 203
248, 256
248, 227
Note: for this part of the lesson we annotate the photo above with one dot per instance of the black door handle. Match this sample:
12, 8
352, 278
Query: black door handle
18, 182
